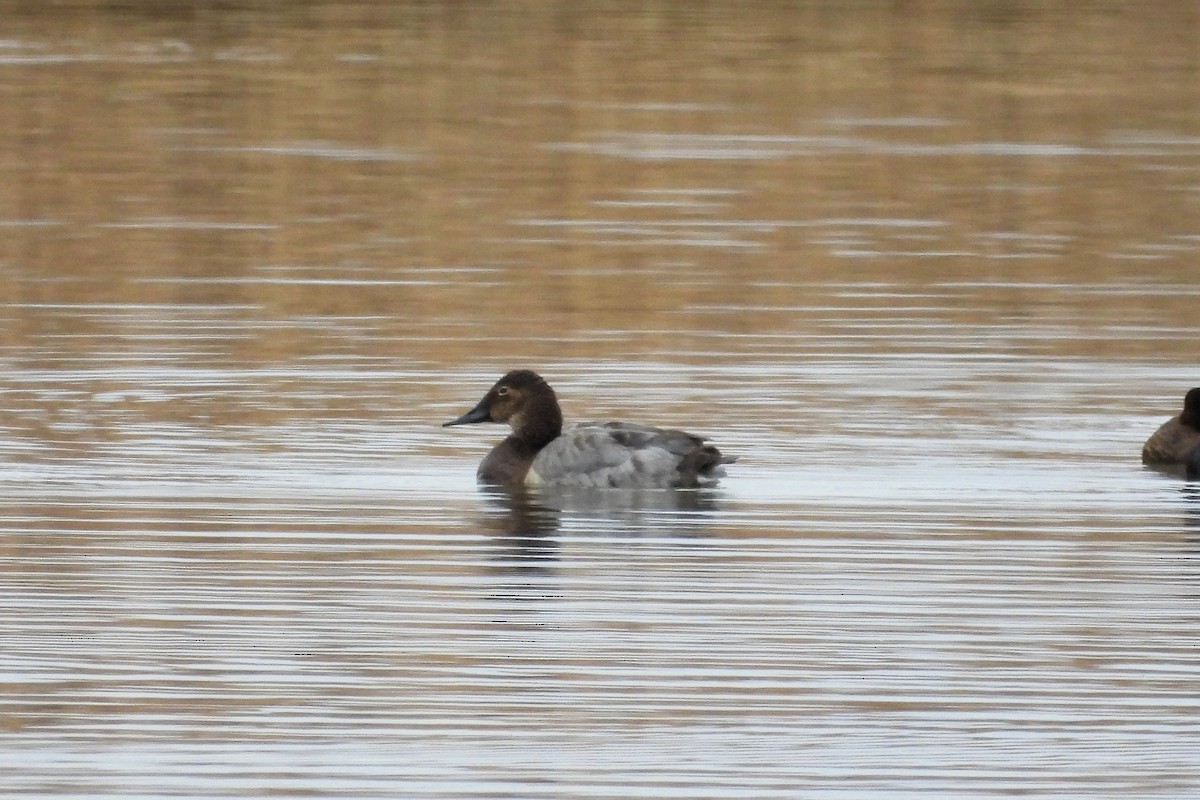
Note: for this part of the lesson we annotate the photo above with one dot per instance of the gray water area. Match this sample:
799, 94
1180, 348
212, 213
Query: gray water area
930, 276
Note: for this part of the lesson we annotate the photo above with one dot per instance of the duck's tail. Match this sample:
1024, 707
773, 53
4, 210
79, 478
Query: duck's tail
703, 466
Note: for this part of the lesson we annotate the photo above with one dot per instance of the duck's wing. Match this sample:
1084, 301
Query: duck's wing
624, 455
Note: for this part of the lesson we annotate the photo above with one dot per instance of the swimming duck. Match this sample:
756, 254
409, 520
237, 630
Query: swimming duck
539, 451
1177, 441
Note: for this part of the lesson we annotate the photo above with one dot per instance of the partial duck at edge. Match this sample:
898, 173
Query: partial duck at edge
1176, 443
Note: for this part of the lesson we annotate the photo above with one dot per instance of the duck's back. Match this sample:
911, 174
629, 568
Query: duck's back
625, 455
1173, 443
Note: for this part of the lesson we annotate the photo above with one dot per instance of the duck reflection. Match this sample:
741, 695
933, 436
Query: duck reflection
1191, 497
523, 529
624, 512
526, 524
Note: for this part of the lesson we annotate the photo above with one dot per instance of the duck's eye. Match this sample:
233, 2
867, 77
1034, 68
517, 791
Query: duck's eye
503, 390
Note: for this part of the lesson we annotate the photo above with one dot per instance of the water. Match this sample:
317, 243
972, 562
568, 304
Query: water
930, 274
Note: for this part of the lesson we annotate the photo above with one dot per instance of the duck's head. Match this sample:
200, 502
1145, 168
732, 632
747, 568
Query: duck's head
522, 399
1191, 408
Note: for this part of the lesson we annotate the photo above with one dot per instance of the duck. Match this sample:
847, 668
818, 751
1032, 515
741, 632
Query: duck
1176, 443
617, 455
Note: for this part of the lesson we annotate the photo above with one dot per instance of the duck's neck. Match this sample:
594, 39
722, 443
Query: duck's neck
533, 432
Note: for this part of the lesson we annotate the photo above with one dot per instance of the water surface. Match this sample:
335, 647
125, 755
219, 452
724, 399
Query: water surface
929, 272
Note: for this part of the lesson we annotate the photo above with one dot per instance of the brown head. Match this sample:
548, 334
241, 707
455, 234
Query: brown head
523, 400
1191, 409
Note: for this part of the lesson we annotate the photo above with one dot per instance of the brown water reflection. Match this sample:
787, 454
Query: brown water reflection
928, 269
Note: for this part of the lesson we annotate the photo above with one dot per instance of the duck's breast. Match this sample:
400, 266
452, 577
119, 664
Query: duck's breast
613, 455
505, 465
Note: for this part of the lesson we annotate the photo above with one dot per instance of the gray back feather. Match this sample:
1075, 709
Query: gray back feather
615, 454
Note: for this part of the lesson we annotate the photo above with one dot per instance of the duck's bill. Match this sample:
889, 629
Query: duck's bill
477, 414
